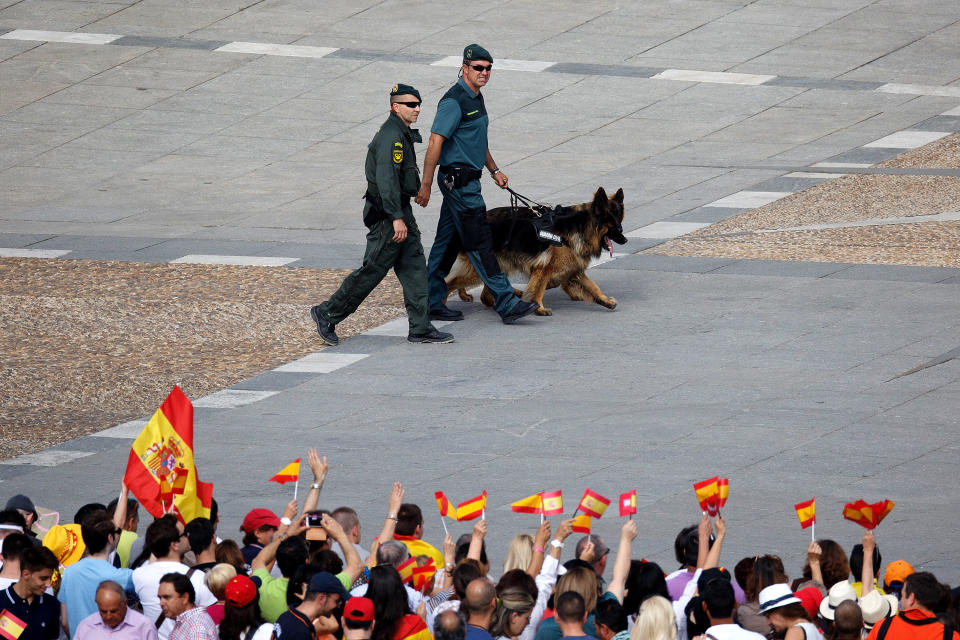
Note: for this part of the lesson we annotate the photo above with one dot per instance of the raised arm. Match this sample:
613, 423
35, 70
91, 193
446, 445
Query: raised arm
476, 540
389, 523
866, 574
540, 541
319, 467
120, 513
264, 559
621, 566
813, 559
353, 563
713, 557
703, 531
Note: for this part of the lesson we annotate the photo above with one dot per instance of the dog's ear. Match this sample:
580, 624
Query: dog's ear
600, 198
618, 196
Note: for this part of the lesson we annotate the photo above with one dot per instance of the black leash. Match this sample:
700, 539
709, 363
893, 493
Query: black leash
529, 203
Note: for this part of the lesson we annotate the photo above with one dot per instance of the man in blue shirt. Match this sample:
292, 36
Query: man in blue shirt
479, 603
458, 145
78, 589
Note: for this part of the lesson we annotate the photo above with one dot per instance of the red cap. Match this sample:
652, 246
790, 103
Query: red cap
810, 598
358, 609
240, 591
259, 518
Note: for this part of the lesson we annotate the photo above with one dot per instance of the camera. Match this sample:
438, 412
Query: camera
314, 520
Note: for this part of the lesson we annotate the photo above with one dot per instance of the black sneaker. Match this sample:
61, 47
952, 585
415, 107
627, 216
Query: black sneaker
444, 313
522, 308
434, 337
324, 327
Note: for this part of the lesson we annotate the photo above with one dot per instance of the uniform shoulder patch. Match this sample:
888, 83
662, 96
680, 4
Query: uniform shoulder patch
397, 152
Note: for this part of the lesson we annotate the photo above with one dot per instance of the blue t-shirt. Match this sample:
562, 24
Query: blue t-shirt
465, 129
477, 633
78, 589
550, 630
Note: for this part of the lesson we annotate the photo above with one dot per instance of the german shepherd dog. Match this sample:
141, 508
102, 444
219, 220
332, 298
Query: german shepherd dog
586, 230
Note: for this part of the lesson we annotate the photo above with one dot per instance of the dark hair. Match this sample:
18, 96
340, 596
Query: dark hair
327, 560
686, 547
181, 584
644, 580
390, 601
14, 544
570, 607
37, 559
718, 595
767, 570
295, 585
443, 631
833, 563
463, 548
96, 530
409, 517
161, 533
347, 519
792, 611
200, 533
214, 511
228, 552
236, 620
465, 573
357, 624
848, 622
856, 561
609, 612
925, 587
85, 511
132, 507
291, 553
12, 516
742, 571
518, 579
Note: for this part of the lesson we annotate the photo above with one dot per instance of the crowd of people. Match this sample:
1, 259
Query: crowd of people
305, 575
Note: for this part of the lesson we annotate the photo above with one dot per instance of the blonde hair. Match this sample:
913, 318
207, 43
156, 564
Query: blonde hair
510, 600
519, 553
218, 577
583, 580
656, 620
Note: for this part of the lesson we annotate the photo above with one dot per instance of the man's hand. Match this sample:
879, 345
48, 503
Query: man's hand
396, 499
543, 535
564, 530
628, 530
423, 195
334, 529
449, 549
501, 179
399, 231
290, 512
318, 466
325, 625
589, 553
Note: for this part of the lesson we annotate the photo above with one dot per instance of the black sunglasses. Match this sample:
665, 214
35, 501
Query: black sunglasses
412, 105
481, 67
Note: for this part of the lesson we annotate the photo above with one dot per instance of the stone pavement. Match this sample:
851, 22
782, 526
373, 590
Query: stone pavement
160, 131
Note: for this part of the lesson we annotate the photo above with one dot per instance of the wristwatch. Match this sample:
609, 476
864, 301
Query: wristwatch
285, 521
556, 544
316, 485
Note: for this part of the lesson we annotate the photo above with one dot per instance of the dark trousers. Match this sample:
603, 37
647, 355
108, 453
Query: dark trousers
463, 217
382, 253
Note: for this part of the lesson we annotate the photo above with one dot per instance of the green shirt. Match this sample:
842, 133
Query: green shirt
273, 593
391, 166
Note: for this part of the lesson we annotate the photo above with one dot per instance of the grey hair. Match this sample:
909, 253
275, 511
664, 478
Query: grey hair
392, 553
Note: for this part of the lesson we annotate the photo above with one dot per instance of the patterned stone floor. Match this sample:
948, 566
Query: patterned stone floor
86, 343
762, 233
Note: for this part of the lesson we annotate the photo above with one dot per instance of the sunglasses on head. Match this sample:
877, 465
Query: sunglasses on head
412, 105
481, 67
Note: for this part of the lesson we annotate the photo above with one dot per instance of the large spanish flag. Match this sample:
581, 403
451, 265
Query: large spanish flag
806, 512
531, 504
552, 503
472, 508
163, 454
593, 504
290, 473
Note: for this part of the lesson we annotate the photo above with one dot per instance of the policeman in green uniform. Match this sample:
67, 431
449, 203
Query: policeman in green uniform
458, 144
393, 239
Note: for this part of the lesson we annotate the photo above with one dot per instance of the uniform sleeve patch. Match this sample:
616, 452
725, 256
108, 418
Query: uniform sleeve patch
397, 152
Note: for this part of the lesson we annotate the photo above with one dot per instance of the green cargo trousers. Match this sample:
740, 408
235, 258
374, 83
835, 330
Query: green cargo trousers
382, 253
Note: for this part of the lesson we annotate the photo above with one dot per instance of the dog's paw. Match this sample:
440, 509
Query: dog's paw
544, 311
466, 297
517, 292
609, 303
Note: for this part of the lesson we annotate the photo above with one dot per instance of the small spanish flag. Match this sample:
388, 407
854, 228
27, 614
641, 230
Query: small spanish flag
867, 515
593, 504
628, 503
407, 568
443, 503
289, 473
11, 626
581, 524
179, 484
552, 503
706, 492
723, 490
472, 508
532, 504
806, 512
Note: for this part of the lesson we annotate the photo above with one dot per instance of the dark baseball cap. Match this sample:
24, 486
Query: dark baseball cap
326, 582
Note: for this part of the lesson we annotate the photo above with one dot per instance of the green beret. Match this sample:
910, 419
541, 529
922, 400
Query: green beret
403, 90
475, 52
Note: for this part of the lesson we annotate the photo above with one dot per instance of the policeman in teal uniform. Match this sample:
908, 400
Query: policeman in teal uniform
458, 144
393, 239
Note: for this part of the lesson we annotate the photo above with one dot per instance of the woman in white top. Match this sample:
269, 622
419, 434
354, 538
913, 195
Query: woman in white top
785, 613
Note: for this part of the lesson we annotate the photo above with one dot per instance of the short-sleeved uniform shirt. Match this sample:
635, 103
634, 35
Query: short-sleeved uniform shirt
42, 616
462, 119
293, 625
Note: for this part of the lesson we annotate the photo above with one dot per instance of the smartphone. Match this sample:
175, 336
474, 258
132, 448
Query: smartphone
314, 520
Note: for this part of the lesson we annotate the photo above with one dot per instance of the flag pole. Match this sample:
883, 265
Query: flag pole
444, 521
296, 485
813, 532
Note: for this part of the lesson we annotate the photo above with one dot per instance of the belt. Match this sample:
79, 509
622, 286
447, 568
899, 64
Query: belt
459, 176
